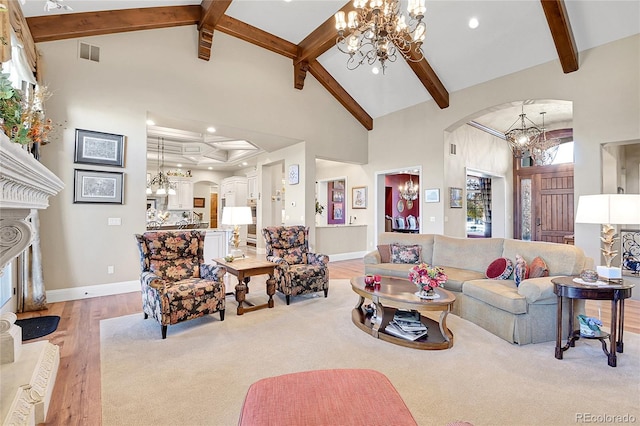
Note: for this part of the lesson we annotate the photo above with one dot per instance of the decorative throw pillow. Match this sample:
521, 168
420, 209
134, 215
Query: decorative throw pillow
385, 253
406, 254
500, 269
538, 268
521, 271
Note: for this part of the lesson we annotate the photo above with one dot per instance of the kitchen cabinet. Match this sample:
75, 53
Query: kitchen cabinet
252, 185
183, 198
234, 191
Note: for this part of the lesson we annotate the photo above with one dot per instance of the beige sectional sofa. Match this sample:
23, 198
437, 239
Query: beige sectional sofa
519, 314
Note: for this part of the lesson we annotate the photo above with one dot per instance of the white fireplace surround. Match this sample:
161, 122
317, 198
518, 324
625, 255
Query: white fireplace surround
25, 184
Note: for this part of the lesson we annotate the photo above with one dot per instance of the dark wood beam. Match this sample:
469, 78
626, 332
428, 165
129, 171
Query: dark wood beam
321, 39
430, 80
253, 35
211, 12
299, 73
75, 25
558, 20
329, 83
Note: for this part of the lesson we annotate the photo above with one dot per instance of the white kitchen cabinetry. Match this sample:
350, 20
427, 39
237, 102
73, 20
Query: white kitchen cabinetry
216, 244
234, 191
183, 198
252, 185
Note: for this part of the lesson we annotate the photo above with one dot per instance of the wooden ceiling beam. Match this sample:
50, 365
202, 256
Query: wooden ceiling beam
558, 21
338, 92
430, 81
75, 25
256, 36
321, 39
211, 12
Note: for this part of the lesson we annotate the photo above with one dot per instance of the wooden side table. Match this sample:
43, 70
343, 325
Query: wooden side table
244, 269
565, 287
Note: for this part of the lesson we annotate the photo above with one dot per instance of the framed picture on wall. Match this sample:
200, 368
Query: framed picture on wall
198, 202
92, 186
294, 174
338, 212
101, 148
359, 197
432, 195
455, 198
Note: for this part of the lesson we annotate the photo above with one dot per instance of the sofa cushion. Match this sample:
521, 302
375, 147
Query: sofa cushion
466, 253
385, 253
424, 240
537, 289
521, 270
538, 268
561, 259
500, 269
501, 294
456, 277
406, 254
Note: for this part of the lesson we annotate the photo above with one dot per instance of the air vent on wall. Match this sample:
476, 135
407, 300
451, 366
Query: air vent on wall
452, 149
89, 52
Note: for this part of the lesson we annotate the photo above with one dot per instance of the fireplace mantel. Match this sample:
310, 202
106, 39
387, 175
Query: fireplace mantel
25, 184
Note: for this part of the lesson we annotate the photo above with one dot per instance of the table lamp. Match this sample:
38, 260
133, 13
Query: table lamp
236, 216
608, 210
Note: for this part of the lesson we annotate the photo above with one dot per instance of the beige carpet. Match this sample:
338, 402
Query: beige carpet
200, 374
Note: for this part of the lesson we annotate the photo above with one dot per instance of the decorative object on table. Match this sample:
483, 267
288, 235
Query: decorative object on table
93, 186
589, 275
377, 279
369, 280
589, 326
630, 249
608, 210
294, 174
427, 278
236, 216
432, 195
359, 197
229, 258
106, 149
455, 198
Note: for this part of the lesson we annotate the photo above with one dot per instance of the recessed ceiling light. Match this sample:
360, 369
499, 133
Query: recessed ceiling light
209, 168
473, 23
375, 70
150, 123
179, 165
244, 163
211, 129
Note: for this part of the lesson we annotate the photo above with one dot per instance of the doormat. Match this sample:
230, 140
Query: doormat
35, 327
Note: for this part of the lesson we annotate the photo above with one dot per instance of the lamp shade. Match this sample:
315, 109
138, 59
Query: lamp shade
236, 216
620, 209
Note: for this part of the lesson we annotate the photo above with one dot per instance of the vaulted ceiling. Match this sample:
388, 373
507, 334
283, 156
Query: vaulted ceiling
512, 35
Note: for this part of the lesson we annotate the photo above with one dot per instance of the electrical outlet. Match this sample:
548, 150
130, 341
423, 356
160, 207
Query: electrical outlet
114, 221
110, 269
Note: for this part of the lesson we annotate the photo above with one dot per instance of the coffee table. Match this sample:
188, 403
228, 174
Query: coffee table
397, 293
244, 269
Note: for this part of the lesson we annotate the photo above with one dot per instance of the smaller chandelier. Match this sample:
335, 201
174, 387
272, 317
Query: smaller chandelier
161, 180
378, 31
410, 190
521, 139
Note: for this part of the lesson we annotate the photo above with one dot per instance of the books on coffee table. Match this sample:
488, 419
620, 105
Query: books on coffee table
407, 325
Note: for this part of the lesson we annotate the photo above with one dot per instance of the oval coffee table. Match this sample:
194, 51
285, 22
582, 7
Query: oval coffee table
397, 293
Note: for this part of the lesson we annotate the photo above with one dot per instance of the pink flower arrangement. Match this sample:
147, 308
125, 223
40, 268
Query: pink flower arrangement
427, 277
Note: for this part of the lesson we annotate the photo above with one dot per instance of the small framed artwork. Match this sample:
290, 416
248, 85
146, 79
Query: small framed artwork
294, 174
432, 195
92, 186
151, 203
198, 202
359, 197
400, 205
455, 198
338, 196
338, 213
99, 148
630, 249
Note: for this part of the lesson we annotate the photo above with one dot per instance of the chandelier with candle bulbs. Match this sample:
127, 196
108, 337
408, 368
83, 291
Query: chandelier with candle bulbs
161, 180
410, 190
377, 30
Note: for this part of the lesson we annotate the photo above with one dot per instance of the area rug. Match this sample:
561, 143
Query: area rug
35, 327
200, 374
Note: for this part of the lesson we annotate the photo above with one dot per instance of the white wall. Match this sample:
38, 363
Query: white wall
158, 70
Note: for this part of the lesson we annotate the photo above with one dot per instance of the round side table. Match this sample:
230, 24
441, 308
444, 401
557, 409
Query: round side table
616, 291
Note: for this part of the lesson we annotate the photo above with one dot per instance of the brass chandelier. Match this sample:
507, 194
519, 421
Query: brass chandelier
521, 139
161, 180
410, 190
377, 30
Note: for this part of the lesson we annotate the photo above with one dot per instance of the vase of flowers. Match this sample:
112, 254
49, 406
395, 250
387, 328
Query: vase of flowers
427, 278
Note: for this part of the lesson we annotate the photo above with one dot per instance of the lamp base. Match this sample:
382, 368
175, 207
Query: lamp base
609, 272
236, 253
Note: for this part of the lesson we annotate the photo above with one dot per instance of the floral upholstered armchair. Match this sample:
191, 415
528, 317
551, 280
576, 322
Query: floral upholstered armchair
298, 271
176, 283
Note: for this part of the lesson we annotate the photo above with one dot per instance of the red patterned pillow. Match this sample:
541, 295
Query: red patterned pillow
500, 269
385, 253
538, 268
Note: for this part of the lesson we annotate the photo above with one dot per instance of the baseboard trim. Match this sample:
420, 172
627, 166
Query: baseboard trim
86, 292
347, 256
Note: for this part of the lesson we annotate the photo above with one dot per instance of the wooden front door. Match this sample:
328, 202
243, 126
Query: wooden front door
544, 203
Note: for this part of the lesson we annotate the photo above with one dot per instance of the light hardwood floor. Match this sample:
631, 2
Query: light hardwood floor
77, 393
